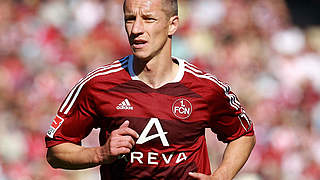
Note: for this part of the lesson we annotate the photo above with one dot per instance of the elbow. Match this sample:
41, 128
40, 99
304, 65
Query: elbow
52, 160
253, 141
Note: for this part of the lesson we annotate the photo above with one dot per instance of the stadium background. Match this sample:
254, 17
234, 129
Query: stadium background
268, 50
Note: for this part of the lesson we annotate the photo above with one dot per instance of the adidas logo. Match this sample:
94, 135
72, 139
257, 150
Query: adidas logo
125, 104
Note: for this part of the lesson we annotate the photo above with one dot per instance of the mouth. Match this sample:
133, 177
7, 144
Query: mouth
139, 43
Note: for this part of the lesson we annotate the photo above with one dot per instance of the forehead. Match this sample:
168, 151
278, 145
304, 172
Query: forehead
145, 6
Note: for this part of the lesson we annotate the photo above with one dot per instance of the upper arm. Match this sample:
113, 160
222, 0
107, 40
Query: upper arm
228, 118
75, 118
242, 141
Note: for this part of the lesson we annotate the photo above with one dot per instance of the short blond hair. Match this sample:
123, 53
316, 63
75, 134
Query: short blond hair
170, 7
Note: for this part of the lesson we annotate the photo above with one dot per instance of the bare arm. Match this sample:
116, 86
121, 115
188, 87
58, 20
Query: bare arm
235, 156
72, 156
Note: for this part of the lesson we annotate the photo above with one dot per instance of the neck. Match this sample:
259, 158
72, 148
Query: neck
156, 72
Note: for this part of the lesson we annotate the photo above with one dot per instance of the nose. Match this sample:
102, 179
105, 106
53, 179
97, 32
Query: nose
138, 27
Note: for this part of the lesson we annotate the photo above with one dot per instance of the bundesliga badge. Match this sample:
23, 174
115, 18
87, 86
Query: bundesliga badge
182, 108
56, 123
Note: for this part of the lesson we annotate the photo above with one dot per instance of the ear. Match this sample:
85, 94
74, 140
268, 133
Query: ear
173, 25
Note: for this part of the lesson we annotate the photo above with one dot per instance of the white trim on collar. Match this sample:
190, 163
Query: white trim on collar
130, 67
180, 73
178, 77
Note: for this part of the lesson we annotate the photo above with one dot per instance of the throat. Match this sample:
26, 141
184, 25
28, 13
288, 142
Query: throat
157, 75
147, 69
156, 79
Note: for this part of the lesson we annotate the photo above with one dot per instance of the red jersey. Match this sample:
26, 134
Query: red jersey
170, 120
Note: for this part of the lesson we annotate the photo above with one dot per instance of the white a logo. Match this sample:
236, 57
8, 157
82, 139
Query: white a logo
143, 137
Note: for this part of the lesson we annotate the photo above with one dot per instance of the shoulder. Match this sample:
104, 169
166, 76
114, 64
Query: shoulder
95, 81
211, 87
103, 77
201, 77
107, 73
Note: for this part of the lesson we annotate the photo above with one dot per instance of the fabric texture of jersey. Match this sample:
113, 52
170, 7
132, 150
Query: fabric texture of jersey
170, 120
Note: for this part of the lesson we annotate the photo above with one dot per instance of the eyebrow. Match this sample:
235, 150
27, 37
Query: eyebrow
146, 14
131, 16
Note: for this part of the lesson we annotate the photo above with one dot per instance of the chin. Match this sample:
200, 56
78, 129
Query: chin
142, 55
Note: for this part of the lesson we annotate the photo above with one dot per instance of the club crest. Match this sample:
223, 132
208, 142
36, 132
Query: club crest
182, 108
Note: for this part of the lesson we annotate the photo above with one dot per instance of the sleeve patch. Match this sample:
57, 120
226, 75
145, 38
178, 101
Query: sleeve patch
245, 121
56, 123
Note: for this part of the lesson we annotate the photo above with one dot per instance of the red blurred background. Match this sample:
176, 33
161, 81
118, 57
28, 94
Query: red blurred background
268, 50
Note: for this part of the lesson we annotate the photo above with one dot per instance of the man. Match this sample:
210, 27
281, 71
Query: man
152, 110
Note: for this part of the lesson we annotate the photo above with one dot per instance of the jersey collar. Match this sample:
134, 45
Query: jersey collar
178, 77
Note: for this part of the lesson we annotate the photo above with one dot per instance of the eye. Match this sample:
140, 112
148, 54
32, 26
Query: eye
150, 20
129, 19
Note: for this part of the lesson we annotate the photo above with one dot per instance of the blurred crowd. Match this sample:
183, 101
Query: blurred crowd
273, 66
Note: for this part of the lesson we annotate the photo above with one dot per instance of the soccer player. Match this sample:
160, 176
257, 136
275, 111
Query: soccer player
152, 110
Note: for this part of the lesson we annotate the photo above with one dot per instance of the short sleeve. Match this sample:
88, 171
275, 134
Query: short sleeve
228, 118
75, 118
